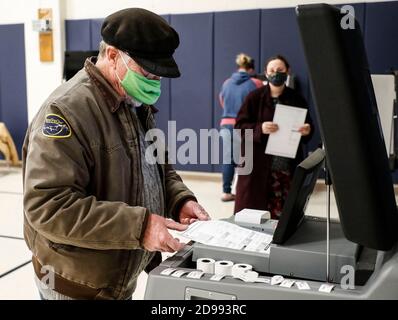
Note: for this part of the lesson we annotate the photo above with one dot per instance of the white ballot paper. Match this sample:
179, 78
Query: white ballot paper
285, 141
228, 235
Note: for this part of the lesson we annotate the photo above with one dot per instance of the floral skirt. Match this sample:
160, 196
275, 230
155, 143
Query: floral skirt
279, 187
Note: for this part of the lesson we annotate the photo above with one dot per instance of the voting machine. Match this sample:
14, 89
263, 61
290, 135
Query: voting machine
313, 258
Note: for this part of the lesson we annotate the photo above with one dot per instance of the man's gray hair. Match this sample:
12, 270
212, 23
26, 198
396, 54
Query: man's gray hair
102, 48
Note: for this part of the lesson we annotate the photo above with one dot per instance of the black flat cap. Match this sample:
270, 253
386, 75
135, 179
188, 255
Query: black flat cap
146, 37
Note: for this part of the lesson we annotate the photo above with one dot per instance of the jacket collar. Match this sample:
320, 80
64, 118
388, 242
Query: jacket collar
112, 98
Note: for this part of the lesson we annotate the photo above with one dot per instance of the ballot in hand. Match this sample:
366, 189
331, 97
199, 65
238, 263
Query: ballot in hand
291, 127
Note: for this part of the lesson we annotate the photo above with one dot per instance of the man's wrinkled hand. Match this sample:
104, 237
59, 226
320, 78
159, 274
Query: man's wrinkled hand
192, 211
158, 238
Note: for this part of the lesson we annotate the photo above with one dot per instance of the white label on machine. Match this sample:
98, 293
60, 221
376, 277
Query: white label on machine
179, 273
302, 285
168, 271
248, 276
195, 274
276, 280
326, 287
263, 280
217, 277
287, 283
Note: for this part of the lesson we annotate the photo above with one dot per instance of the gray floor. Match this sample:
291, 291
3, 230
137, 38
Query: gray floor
18, 283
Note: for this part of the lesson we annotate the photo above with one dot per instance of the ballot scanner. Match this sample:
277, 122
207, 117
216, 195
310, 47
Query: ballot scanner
317, 251
298, 251
301, 259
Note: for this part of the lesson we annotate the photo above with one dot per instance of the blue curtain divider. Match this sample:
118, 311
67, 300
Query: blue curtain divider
13, 99
95, 29
234, 32
163, 104
192, 93
78, 35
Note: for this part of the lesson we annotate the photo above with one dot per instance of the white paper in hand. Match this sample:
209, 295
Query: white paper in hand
228, 235
285, 141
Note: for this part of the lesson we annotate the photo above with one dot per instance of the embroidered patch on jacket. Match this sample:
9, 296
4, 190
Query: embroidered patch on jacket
56, 127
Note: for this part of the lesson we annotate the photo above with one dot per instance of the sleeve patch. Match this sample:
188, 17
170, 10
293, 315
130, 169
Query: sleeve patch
56, 127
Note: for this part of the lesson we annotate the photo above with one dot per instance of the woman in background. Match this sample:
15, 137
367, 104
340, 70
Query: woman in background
267, 186
233, 92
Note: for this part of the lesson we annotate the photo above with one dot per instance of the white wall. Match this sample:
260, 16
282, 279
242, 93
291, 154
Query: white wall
41, 77
12, 11
44, 77
78, 9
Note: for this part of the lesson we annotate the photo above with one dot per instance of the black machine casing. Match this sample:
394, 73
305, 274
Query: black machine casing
349, 123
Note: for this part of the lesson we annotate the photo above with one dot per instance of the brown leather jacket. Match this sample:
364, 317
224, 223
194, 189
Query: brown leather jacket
82, 189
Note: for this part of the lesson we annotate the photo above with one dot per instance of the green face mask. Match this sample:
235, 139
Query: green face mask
139, 87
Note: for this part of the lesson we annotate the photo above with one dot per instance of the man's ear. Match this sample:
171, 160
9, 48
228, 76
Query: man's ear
112, 56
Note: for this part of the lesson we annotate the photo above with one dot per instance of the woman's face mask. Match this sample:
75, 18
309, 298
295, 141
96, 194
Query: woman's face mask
277, 78
139, 87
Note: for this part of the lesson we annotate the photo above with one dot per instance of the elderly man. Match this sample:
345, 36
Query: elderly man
95, 207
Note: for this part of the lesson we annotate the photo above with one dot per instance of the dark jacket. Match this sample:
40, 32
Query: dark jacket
252, 189
82, 189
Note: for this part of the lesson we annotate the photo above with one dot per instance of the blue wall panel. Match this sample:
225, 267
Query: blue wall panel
78, 35
163, 104
95, 30
192, 93
381, 36
234, 32
13, 100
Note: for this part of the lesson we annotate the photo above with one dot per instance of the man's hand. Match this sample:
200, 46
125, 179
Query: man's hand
158, 238
192, 211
